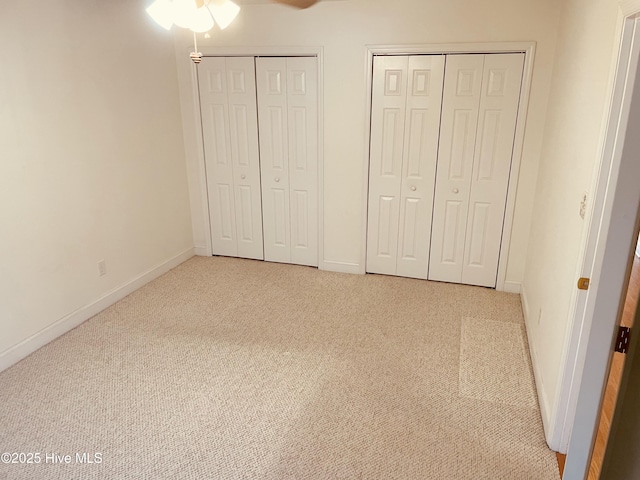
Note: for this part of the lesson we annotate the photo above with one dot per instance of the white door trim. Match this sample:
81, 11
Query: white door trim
606, 251
528, 48
192, 126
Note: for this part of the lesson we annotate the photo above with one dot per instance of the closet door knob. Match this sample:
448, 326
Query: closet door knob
455, 190
243, 177
413, 188
277, 179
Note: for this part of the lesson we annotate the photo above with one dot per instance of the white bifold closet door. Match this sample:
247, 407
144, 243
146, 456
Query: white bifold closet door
479, 110
405, 124
288, 124
230, 132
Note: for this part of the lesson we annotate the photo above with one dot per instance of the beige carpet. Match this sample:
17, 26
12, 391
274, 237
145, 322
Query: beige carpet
236, 369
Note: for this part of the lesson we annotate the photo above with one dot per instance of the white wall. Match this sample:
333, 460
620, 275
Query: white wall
342, 29
568, 164
92, 163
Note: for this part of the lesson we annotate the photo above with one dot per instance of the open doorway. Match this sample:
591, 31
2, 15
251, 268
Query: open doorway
611, 240
615, 373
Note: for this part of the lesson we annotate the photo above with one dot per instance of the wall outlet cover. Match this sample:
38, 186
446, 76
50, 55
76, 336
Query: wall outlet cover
102, 268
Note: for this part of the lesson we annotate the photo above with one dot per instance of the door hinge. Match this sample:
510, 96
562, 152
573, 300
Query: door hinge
622, 340
583, 283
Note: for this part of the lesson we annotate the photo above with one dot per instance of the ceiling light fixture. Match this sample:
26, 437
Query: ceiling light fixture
223, 11
199, 16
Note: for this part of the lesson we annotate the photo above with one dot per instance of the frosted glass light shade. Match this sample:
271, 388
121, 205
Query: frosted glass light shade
224, 12
202, 21
183, 11
162, 12
187, 15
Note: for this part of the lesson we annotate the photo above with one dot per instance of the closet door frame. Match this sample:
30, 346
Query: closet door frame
528, 48
198, 149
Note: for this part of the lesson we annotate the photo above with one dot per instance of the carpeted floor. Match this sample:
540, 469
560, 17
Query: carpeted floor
237, 369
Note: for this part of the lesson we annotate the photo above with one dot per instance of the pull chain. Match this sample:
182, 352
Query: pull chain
195, 56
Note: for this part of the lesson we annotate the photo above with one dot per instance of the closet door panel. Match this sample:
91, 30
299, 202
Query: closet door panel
271, 76
460, 108
492, 165
302, 119
243, 121
386, 156
422, 130
217, 147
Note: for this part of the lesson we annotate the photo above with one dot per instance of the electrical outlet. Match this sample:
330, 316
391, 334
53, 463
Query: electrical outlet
102, 268
583, 205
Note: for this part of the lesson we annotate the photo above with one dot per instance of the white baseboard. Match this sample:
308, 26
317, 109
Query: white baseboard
545, 409
512, 287
525, 305
341, 267
16, 353
201, 251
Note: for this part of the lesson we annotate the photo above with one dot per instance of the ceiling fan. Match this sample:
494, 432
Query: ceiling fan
200, 16
297, 3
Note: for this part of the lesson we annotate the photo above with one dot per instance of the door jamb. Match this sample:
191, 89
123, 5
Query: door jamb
528, 48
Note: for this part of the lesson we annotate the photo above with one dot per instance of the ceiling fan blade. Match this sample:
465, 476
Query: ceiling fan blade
297, 3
